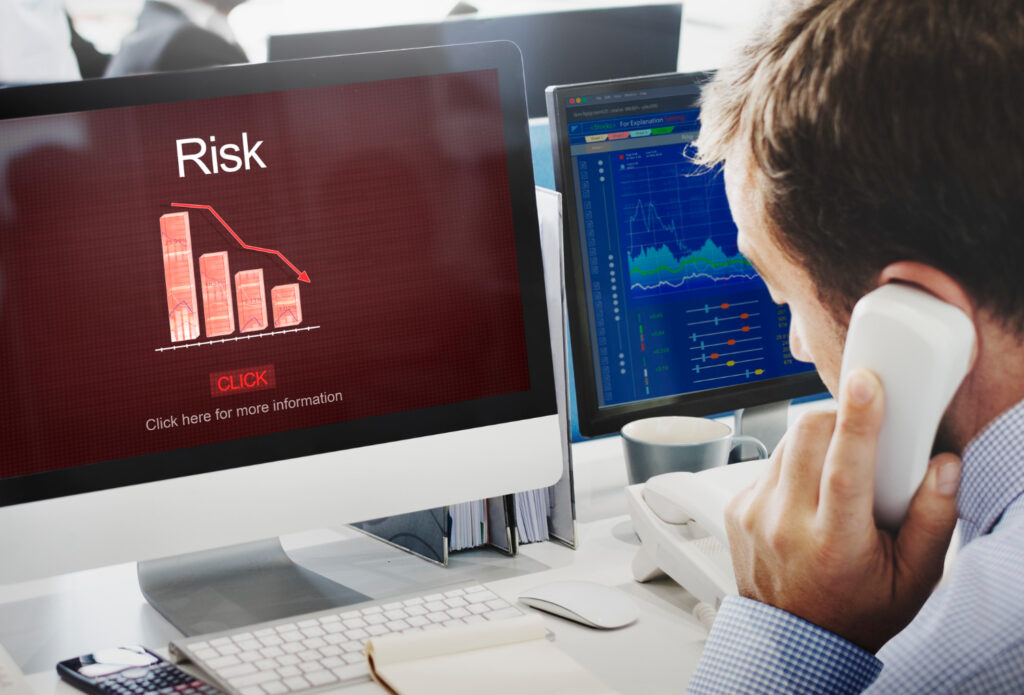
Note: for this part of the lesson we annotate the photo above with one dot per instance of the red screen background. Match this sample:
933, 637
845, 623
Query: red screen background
393, 196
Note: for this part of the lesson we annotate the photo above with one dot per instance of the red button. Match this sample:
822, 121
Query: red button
242, 380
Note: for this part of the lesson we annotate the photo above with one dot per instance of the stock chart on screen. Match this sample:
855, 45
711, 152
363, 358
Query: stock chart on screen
675, 306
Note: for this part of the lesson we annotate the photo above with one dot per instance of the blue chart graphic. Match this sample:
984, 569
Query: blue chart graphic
727, 341
679, 232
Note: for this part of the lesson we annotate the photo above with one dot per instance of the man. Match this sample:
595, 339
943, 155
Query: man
866, 142
178, 35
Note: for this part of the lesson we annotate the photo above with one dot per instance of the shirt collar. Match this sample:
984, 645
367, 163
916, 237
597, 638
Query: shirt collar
993, 473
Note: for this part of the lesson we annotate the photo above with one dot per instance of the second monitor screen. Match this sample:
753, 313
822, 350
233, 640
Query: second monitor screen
674, 307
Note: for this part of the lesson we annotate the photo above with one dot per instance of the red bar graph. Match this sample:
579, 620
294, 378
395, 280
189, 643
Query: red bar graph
251, 296
286, 305
215, 280
179, 276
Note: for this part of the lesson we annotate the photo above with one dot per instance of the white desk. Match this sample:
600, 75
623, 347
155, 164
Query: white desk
44, 621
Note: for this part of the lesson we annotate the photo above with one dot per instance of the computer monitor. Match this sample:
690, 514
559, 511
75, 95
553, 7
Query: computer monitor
557, 47
254, 300
666, 316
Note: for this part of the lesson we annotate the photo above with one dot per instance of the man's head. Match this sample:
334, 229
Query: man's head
859, 134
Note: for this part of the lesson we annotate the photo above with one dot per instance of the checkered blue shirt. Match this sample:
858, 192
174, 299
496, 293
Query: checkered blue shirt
968, 637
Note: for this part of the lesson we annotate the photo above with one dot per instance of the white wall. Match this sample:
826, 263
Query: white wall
710, 27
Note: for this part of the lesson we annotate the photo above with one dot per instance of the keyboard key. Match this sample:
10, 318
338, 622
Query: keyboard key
253, 679
344, 673
454, 592
288, 672
222, 662
275, 688
296, 683
231, 672
510, 612
321, 677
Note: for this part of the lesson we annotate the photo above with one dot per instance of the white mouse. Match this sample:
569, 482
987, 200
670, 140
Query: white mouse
588, 603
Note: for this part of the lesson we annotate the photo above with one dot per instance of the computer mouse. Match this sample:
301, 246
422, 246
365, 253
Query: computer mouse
587, 603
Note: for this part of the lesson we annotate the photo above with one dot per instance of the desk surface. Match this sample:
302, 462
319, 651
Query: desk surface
45, 621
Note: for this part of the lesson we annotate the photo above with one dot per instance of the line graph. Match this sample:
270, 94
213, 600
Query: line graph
302, 275
679, 233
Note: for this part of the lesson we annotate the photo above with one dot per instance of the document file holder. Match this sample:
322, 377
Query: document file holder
427, 533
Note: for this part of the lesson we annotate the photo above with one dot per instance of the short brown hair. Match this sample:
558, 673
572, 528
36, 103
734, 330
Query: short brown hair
885, 130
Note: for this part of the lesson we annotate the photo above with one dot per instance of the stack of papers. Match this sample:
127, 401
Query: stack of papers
533, 509
468, 525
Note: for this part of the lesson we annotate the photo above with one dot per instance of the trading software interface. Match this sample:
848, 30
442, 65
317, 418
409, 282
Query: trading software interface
180, 274
674, 307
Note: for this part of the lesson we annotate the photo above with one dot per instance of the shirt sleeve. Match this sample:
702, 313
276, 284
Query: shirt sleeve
754, 647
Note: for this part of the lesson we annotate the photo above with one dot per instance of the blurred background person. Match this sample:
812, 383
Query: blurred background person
35, 43
178, 35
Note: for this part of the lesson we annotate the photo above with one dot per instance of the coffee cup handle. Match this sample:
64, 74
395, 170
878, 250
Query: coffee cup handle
741, 439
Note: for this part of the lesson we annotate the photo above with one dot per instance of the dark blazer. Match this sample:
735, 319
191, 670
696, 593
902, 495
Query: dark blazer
165, 39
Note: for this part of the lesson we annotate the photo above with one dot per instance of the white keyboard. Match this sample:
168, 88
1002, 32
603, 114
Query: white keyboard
326, 649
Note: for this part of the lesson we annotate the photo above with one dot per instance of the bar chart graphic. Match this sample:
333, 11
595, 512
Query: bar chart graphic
179, 277
215, 279
287, 307
230, 302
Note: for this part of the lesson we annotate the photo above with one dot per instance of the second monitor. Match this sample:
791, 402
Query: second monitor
666, 316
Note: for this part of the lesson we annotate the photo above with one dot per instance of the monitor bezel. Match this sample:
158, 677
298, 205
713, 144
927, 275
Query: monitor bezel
595, 420
538, 401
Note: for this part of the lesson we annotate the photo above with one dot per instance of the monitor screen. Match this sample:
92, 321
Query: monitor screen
203, 271
666, 316
557, 47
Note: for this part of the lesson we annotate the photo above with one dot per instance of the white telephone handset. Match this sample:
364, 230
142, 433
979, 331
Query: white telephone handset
918, 346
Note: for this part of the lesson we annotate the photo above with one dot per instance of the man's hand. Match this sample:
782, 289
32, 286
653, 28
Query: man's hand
803, 538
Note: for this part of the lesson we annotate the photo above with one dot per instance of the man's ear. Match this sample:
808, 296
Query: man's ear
935, 282
931, 280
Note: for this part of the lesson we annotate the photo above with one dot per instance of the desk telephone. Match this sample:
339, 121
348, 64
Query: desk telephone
919, 347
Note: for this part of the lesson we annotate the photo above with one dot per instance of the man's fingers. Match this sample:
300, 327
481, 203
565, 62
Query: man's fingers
800, 473
924, 536
847, 481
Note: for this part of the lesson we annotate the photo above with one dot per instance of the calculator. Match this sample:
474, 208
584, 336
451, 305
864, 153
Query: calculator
130, 671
